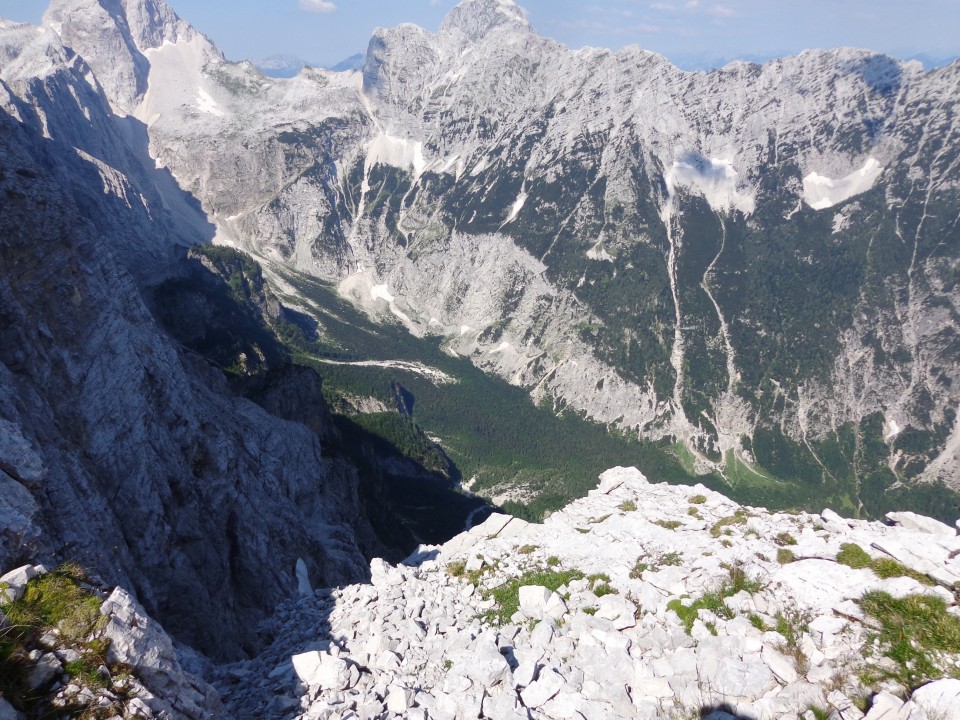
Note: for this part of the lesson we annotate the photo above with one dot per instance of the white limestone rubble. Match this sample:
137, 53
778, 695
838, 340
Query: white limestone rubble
423, 641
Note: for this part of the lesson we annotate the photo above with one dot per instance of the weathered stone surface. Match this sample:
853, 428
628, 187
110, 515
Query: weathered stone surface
939, 700
884, 706
9, 712
780, 665
400, 700
47, 669
912, 521
533, 600
137, 640
13, 583
541, 690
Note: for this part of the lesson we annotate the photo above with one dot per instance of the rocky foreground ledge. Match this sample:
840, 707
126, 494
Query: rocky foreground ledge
638, 601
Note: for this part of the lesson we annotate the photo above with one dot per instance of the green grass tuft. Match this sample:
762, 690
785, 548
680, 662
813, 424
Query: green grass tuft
785, 538
736, 581
853, 556
916, 633
507, 596
889, 568
627, 506
785, 556
722, 526
856, 557
668, 524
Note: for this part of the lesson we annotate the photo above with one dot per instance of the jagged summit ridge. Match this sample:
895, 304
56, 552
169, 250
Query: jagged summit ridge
113, 36
476, 18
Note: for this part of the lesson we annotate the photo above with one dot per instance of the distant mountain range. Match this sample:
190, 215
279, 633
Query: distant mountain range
287, 66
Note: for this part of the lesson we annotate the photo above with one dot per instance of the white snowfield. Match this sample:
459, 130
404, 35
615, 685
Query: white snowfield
821, 192
396, 152
416, 644
715, 179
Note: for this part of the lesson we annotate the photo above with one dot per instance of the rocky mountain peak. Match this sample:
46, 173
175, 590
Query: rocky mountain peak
112, 36
476, 18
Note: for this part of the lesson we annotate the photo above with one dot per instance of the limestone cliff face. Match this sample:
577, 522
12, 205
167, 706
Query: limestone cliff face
131, 457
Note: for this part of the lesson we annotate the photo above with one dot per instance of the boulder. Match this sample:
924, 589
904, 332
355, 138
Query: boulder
884, 707
487, 667
15, 582
321, 670
741, 679
400, 699
617, 610
8, 711
780, 665
304, 588
939, 699
921, 523
533, 600
555, 608
540, 691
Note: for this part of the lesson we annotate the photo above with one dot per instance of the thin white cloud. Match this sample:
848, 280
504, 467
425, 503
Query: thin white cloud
722, 11
317, 6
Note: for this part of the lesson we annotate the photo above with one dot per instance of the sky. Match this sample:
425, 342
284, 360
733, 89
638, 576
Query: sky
692, 33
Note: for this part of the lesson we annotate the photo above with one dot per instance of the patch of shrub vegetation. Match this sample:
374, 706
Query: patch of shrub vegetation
784, 539
506, 597
55, 601
785, 556
668, 524
736, 581
856, 557
627, 506
722, 526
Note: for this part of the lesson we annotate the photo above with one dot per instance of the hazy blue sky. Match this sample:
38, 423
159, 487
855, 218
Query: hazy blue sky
687, 31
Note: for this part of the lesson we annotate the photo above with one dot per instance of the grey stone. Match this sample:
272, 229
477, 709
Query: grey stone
541, 690
533, 600
884, 707
400, 699
921, 523
9, 712
44, 672
13, 583
939, 699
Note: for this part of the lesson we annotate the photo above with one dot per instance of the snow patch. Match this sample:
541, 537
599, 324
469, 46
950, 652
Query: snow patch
450, 163
207, 104
502, 347
598, 252
714, 178
381, 292
479, 167
396, 152
892, 429
821, 192
517, 206
464, 329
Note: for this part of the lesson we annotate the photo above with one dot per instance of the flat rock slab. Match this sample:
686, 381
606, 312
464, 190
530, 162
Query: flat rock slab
939, 700
920, 523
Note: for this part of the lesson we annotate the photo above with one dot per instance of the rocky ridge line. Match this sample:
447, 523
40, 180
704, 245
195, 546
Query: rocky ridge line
419, 642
